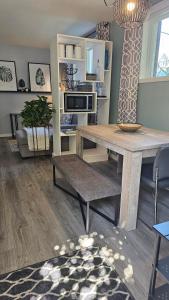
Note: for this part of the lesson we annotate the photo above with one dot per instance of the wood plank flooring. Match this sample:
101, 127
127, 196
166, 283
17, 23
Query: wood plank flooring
35, 216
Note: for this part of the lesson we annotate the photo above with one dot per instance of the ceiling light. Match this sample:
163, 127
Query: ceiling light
128, 12
131, 6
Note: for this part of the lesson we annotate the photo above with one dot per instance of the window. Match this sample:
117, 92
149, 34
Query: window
155, 50
89, 61
161, 67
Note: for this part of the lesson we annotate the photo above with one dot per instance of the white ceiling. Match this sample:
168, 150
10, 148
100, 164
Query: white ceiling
35, 22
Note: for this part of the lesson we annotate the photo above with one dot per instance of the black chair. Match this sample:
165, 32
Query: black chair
156, 175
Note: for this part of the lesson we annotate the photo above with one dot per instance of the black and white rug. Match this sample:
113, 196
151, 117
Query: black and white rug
85, 273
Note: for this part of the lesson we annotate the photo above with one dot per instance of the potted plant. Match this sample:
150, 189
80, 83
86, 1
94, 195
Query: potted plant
37, 112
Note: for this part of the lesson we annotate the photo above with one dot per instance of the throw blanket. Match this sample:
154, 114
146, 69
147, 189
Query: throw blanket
38, 138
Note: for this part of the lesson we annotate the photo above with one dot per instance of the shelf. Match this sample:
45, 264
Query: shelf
67, 152
102, 98
67, 59
95, 154
163, 267
93, 81
162, 292
19, 92
78, 112
107, 70
67, 134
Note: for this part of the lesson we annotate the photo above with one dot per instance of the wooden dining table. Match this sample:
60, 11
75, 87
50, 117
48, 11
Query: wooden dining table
133, 147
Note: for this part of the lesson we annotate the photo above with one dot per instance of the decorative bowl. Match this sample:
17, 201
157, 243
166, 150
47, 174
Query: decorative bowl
129, 127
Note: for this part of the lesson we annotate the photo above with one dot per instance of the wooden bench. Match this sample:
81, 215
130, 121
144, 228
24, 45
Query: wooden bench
89, 184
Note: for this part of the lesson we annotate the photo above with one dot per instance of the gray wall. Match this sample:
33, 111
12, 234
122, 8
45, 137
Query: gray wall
153, 98
14, 102
153, 105
116, 35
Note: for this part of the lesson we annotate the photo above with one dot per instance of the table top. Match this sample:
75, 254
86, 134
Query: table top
162, 229
143, 139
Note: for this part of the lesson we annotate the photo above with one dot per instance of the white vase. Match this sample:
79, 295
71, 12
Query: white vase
78, 52
69, 51
61, 50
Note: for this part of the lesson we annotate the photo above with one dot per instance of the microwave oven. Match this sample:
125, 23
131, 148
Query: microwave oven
79, 102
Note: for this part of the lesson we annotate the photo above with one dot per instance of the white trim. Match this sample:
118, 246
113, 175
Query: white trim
5, 135
156, 13
154, 79
158, 10
148, 48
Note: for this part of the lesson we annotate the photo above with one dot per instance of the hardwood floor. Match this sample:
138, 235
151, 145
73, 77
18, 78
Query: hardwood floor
35, 216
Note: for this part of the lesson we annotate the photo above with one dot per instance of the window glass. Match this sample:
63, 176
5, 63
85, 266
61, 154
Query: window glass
89, 63
162, 58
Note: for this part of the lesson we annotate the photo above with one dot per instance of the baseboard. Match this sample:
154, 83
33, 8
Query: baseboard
5, 135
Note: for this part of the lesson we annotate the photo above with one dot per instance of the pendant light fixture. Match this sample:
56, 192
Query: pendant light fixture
128, 13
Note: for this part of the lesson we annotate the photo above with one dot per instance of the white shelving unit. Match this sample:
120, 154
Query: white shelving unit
102, 83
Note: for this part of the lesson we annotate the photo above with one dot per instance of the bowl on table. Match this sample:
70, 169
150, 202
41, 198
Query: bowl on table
129, 127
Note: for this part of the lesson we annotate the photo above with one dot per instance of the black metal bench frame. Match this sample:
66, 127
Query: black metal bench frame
88, 206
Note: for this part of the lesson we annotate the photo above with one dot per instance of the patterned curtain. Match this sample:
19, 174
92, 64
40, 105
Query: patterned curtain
130, 70
103, 31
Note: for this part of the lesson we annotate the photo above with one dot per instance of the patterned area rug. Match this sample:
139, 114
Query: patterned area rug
85, 273
13, 145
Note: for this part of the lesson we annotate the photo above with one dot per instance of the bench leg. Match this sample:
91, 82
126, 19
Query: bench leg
82, 210
117, 212
154, 266
54, 175
87, 217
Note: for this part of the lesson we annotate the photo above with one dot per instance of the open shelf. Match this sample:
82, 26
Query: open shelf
72, 143
91, 61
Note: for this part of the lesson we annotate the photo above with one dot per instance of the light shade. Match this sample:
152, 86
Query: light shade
128, 13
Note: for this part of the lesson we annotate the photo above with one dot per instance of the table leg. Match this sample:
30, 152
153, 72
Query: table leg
79, 144
16, 122
12, 127
130, 189
119, 164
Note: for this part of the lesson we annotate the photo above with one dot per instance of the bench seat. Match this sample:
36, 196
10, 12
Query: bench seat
88, 183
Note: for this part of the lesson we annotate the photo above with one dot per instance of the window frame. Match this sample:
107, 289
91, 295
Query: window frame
151, 37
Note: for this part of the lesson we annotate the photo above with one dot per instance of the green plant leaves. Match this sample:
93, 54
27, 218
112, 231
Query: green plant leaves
37, 113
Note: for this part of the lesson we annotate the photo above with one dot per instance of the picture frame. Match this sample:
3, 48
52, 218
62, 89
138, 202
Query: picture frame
8, 78
39, 77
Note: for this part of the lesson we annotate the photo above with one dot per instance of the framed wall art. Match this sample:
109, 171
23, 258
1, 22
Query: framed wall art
39, 77
8, 81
